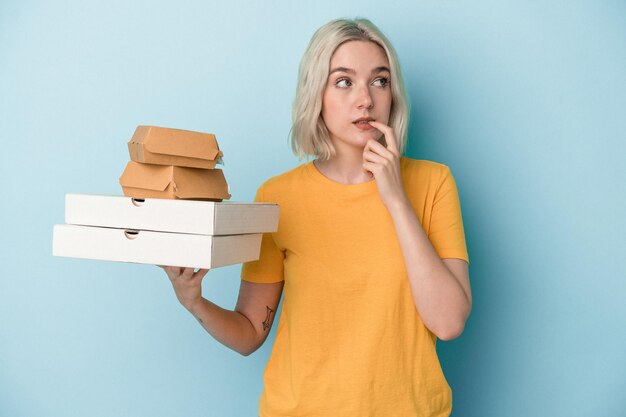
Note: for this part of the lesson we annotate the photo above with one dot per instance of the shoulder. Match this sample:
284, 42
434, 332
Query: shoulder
283, 183
423, 171
421, 164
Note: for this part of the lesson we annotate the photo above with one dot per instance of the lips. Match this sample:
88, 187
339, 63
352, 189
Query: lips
363, 123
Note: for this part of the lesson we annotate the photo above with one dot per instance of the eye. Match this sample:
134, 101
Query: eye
381, 82
343, 83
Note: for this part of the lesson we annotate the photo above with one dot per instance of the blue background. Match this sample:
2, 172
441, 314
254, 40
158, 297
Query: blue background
525, 101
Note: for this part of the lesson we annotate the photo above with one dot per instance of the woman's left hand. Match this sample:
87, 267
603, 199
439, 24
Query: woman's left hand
384, 165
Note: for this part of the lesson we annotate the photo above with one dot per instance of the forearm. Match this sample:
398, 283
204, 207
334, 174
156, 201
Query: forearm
230, 328
439, 298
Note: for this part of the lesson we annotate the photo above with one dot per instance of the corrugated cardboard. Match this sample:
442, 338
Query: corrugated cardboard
180, 216
156, 248
163, 181
165, 146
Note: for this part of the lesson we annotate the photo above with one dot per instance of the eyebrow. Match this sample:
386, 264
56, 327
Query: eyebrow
351, 71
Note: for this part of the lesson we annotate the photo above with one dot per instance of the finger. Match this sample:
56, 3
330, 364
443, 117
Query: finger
368, 172
186, 272
390, 137
378, 148
371, 167
169, 270
173, 272
200, 274
370, 156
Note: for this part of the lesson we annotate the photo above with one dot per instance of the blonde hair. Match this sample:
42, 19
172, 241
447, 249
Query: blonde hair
309, 135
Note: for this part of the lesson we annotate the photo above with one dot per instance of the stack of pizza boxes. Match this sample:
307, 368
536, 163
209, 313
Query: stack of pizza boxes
172, 212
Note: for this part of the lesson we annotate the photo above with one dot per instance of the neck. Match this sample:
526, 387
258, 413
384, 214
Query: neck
346, 167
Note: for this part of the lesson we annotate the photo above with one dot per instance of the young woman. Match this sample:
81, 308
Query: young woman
370, 249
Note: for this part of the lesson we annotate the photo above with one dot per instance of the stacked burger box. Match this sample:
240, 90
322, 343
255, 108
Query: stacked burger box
173, 163
171, 212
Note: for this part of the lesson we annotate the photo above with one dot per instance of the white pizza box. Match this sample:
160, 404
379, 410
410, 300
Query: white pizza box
166, 215
157, 248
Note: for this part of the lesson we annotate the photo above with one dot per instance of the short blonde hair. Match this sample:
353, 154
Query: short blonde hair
309, 135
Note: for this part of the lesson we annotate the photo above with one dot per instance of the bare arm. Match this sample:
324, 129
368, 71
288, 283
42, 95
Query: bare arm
440, 288
245, 328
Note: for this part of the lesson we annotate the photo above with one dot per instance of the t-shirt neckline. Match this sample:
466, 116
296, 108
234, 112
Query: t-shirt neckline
350, 189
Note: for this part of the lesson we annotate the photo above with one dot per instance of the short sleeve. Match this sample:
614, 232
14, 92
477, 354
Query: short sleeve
446, 231
269, 267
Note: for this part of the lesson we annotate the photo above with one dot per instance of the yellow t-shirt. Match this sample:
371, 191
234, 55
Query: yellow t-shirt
349, 340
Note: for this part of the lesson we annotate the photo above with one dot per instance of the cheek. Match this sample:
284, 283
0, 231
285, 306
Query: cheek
384, 98
330, 100
331, 107
384, 104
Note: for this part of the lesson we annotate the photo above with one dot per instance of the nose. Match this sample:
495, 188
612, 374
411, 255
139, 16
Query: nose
364, 98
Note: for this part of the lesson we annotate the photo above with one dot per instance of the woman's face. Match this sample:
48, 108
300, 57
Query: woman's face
358, 89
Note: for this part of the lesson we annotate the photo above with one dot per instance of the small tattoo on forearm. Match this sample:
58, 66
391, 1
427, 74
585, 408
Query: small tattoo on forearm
268, 319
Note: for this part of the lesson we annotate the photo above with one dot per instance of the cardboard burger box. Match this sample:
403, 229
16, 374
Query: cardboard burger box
198, 234
141, 180
166, 146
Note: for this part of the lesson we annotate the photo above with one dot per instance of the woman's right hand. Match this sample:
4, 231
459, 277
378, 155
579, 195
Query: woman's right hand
187, 284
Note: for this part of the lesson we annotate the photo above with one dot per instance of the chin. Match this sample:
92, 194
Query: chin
360, 139
364, 139
372, 134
